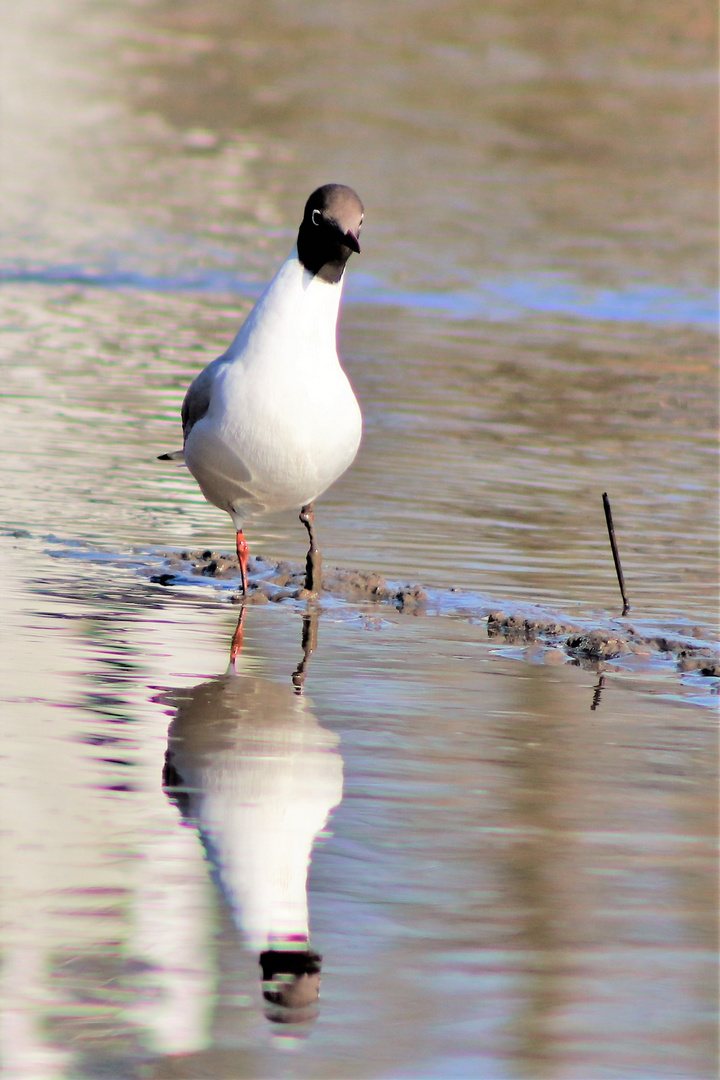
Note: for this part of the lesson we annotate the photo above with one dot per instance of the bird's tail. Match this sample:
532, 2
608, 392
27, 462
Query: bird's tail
176, 455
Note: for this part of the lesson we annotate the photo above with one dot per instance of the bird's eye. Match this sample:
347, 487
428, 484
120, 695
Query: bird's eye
316, 216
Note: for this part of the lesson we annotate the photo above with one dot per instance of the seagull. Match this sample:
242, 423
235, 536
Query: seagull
273, 422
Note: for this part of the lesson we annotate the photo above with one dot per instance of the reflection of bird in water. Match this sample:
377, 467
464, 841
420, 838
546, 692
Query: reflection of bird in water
250, 766
273, 422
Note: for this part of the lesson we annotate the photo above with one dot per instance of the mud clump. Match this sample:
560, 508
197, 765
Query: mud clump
284, 575
215, 565
411, 599
518, 630
256, 597
163, 579
511, 628
596, 645
703, 662
275, 582
356, 585
205, 563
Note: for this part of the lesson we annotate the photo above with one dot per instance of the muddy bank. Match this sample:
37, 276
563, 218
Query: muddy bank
278, 582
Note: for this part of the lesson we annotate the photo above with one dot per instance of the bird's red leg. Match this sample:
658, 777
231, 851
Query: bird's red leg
243, 550
237, 640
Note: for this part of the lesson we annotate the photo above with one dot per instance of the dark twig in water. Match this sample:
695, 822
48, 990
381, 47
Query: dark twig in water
616, 557
597, 692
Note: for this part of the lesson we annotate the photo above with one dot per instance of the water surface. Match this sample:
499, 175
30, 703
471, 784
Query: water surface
513, 871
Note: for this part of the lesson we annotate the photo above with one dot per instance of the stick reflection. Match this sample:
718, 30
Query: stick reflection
251, 768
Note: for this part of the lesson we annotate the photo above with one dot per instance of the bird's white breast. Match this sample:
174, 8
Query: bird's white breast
283, 422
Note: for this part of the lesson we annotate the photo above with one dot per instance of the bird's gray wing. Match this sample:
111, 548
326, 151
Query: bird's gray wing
199, 394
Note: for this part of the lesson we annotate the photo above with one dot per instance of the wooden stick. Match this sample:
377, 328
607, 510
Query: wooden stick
613, 547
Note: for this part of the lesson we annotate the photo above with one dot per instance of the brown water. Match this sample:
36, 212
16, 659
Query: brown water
515, 883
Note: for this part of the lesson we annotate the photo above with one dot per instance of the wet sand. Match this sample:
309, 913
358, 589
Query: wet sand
283, 582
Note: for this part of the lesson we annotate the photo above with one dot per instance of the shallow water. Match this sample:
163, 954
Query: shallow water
519, 879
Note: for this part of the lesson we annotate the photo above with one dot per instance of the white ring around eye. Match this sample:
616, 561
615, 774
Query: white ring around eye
315, 220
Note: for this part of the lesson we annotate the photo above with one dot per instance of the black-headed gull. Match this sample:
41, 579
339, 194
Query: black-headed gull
273, 422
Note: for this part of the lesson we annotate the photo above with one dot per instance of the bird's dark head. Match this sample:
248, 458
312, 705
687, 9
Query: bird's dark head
329, 231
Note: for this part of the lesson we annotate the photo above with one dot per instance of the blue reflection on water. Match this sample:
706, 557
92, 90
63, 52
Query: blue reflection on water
506, 298
552, 294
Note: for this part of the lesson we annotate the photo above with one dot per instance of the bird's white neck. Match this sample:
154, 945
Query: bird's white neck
297, 313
